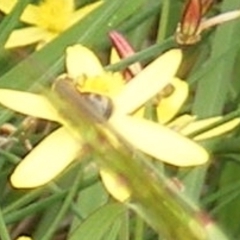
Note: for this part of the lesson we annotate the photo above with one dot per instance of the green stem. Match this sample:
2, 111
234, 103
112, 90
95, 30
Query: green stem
33, 208
143, 55
139, 229
23, 201
162, 33
4, 235
124, 229
74, 208
223, 192
66, 205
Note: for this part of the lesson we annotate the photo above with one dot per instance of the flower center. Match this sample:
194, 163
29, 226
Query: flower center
54, 15
108, 84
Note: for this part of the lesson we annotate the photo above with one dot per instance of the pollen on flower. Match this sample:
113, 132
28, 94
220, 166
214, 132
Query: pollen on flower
53, 16
108, 84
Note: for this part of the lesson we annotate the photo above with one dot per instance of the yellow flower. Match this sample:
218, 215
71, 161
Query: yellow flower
47, 160
170, 102
48, 19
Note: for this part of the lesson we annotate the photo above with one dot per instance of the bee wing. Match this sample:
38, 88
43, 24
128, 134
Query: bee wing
159, 141
49, 158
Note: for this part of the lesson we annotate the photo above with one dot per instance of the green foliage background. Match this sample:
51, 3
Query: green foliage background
76, 206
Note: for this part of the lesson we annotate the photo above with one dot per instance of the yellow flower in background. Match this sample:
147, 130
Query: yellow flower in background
46, 160
196, 125
24, 238
170, 102
48, 19
169, 106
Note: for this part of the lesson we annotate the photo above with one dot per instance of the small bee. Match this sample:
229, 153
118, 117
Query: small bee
102, 105
98, 105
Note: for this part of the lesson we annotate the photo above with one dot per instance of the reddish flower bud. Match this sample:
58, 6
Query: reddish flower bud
124, 50
193, 24
206, 5
188, 29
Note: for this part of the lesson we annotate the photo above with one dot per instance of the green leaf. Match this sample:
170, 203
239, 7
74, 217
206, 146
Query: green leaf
97, 225
213, 88
227, 213
4, 234
91, 198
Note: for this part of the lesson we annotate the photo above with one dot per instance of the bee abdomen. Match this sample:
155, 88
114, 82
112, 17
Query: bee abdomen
101, 105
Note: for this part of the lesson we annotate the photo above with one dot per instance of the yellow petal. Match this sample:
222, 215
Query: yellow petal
83, 12
181, 122
25, 36
198, 125
29, 104
148, 82
168, 107
114, 57
115, 185
159, 141
30, 14
47, 160
7, 5
24, 238
81, 61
